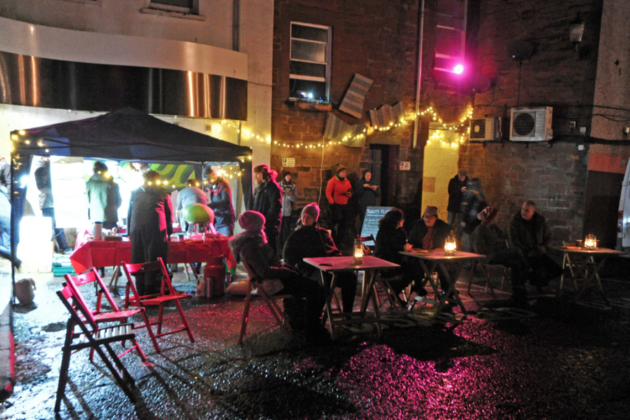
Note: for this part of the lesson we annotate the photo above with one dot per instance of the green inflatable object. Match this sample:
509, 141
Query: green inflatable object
198, 213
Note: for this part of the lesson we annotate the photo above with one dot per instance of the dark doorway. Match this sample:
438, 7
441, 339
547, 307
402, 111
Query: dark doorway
603, 190
380, 158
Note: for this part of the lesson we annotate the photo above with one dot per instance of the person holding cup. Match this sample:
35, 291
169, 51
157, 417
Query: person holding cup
338, 192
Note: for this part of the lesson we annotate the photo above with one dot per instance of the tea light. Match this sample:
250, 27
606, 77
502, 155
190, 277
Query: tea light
450, 246
358, 251
590, 242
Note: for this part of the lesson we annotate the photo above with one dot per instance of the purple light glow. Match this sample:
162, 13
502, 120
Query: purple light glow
458, 69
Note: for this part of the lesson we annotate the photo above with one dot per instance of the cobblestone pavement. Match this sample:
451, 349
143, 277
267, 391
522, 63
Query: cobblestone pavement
553, 359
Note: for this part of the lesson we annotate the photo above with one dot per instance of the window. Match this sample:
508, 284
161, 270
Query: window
310, 61
450, 40
182, 6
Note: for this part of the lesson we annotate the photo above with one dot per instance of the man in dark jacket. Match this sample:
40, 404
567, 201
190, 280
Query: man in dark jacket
268, 201
311, 241
103, 197
366, 192
489, 240
251, 247
46, 204
149, 223
456, 190
220, 200
431, 232
529, 233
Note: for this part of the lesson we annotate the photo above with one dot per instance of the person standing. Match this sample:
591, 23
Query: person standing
220, 200
268, 202
289, 196
529, 233
149, 223
312, 241
366, 192
338, 192
46, 204
456, 190
473, 202
103, 197
192, 194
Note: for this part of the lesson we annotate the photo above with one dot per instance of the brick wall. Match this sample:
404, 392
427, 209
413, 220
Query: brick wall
511, 173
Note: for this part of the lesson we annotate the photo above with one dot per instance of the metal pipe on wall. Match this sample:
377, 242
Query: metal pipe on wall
419, 87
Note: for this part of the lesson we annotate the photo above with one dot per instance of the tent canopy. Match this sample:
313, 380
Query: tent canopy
123, 135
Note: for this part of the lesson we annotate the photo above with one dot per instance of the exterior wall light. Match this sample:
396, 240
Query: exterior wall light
576, 31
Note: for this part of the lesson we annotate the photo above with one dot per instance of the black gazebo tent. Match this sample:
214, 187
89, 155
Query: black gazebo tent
123, 135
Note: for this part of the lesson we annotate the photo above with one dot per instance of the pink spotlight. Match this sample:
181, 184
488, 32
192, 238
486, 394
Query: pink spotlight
458, 69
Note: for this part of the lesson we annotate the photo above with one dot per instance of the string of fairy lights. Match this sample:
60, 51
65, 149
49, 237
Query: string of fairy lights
430, 111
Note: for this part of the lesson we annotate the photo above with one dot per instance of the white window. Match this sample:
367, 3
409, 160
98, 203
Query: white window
450, 39
182, 6
310, 61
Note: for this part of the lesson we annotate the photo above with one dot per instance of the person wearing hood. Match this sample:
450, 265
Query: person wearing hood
103, 197
338, 192
220, 200
456, 190
312, 241
473, 202
268, 202
529, 233
46, 204
366, 192
391, 239
489, 240
251, 246
289, 196
149, 223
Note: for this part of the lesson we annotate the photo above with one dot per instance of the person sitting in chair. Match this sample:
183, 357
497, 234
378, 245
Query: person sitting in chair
489, 240
390, 240
251, 247
312, 241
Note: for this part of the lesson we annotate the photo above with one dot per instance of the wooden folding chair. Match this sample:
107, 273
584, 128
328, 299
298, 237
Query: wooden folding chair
167, 294
487, 269
113, 315
95, 338
270, 301
392, 297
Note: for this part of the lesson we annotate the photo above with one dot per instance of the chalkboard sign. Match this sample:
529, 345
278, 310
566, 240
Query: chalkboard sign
373, 215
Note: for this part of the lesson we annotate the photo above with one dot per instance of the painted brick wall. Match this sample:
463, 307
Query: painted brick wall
555, 178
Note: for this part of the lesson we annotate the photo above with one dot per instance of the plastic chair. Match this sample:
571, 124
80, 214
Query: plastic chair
95, 338
113, 315
270, 301
167, 294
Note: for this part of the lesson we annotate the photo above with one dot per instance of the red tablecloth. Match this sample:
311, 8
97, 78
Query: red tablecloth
111, 253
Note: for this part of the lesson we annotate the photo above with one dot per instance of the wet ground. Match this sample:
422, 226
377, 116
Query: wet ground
553, 359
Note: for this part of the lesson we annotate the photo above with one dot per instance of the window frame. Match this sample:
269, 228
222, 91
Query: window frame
328, 58
462, 37
194, 9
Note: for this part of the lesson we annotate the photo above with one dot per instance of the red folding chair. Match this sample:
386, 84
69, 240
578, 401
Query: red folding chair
95, 338
113, 315
167, 294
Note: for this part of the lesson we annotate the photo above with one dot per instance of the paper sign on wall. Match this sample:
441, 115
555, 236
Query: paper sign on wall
404, 165
288, 162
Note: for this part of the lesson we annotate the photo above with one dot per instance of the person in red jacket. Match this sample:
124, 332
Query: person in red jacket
338, 192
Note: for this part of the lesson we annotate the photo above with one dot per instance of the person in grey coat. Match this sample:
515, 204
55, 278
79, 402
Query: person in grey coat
220, 200
103, 197
149, 223
44, 185
289, 196
192, 194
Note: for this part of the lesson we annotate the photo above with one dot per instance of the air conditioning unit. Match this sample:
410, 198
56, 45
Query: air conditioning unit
485, 129
531, 124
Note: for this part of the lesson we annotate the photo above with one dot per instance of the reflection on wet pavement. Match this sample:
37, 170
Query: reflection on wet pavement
553, 359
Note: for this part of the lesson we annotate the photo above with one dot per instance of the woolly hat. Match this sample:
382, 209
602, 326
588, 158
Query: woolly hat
339, 169
251, 221
312, 210
487, 214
